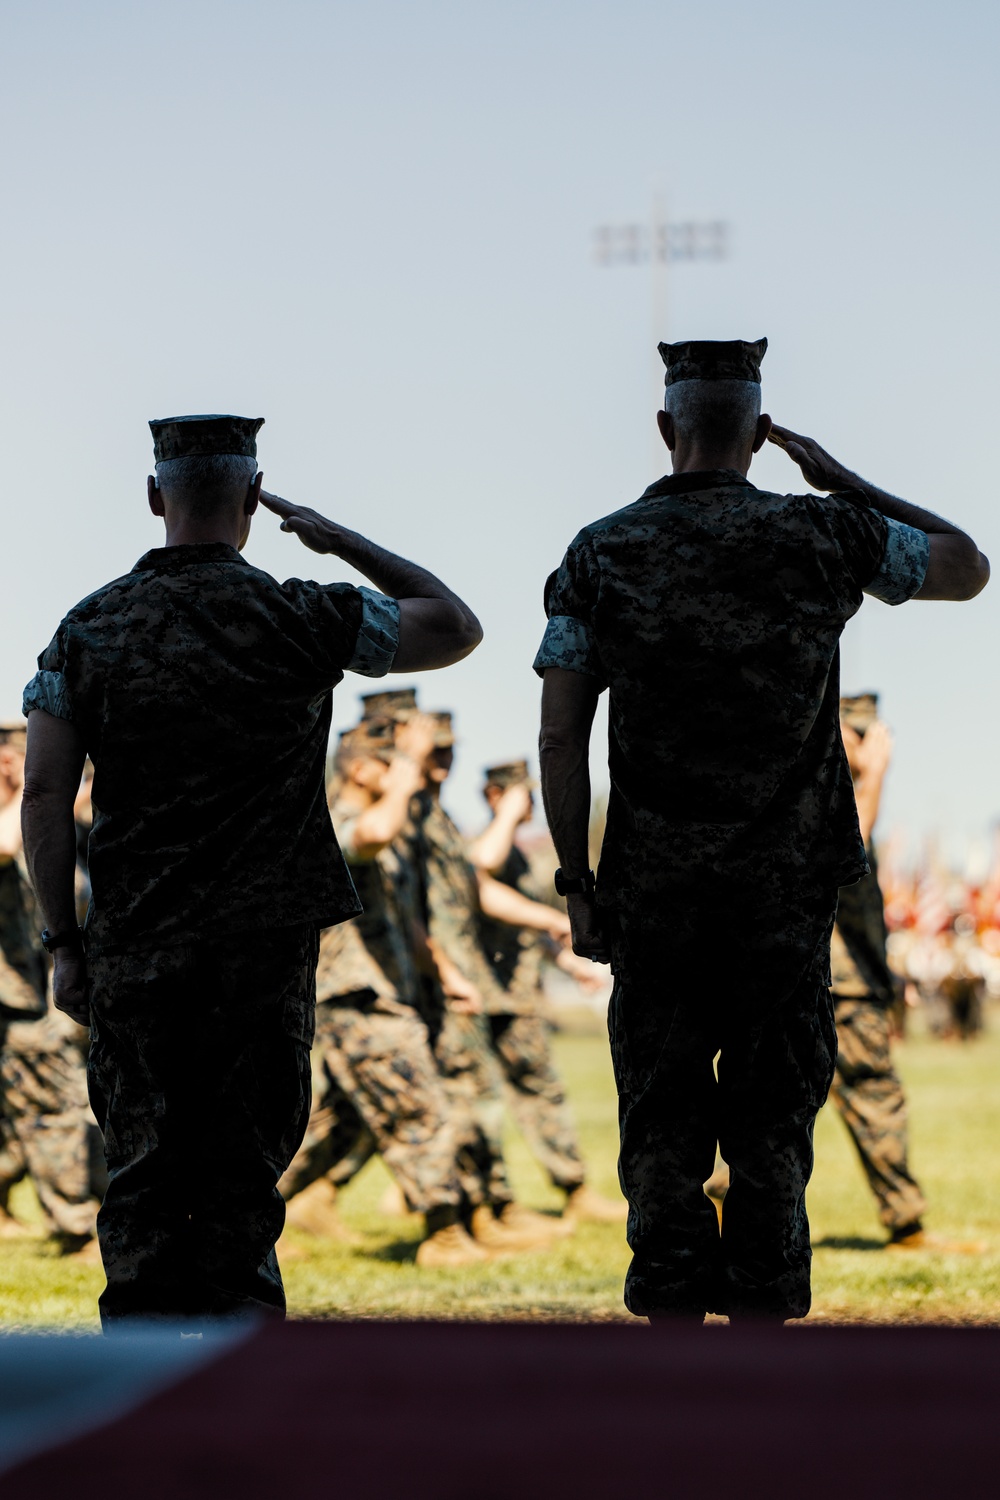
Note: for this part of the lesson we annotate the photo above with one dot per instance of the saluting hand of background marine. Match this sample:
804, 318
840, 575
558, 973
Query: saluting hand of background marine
415, 739
868, 754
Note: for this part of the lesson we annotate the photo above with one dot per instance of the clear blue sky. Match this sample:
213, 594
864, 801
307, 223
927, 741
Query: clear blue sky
371, 223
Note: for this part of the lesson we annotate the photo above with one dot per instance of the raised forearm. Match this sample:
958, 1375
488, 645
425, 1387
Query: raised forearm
904, 510
491, 849
379, 824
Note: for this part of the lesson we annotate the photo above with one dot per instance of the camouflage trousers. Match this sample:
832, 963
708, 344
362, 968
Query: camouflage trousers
869, 1096
51, 1133
199, 1078
774, 1071
379, 1091
536, 1096
473, 1085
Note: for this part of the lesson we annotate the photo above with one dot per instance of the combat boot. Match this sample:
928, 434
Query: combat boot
584, 1206
13, 1229
915, 1237
517, 1233
314, 1210
448, 1245
393, 1203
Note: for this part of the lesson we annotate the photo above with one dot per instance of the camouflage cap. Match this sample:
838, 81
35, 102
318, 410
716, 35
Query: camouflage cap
204, 437
511, 773
859, 712
14, 732
399, 703
369, 740
445, 736
713, 359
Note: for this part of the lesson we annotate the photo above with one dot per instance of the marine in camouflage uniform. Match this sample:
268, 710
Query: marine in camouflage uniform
517, 955
460, 1030
713, 611
49, 1130
201, 689
867, 1091
372, 1048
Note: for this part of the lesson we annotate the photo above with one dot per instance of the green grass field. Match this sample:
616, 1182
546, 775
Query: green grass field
955, 1115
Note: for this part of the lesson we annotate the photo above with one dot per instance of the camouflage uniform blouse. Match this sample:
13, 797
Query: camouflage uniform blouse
516, 954
202, 688
374, 951
451, 894
713, 612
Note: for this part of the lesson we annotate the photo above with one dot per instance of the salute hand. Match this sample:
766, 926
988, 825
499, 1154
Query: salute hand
818, 468
312, 529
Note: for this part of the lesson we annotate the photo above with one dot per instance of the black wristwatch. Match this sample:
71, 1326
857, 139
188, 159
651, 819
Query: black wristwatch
70, 937
579, 885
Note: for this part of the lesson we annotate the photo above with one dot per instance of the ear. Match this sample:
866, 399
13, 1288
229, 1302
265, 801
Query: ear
665, 423
760, 436
154, 496
252, 500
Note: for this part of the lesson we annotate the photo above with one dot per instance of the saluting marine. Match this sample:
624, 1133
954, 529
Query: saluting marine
49, 1131
372, 1044
712, 612
517, 955
459, 998
201, 689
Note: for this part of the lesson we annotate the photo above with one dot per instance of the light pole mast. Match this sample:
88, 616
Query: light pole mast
657, 245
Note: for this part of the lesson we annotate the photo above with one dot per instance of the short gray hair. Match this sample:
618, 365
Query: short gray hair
204, 485
718, 412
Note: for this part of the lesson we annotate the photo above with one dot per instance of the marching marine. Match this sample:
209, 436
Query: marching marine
520, 1031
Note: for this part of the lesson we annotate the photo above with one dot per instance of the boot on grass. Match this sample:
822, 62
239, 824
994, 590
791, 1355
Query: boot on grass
448, 1244
510, 1231
315, 1211
585, 1206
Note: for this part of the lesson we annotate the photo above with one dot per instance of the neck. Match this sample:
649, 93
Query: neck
186, 531
693, 458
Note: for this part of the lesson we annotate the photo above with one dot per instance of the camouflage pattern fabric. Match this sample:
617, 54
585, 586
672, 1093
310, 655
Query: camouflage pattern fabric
373, 951
44, 1076
463, 1044
383, 1065
202, 689
858, 962
23, 975
467, 1063
713, 359
454, 917
516, 954
533, 1088
48, 1128
714, 611
203, 436
199, 1078
537, 1097
774, 1073
869, 1097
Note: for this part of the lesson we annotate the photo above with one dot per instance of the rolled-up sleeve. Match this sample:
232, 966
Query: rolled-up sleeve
567, 643
378, 638
904, 564
48, 691
571, 593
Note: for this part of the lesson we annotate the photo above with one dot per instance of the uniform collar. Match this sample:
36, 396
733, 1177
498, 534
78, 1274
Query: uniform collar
166, 559
705, 479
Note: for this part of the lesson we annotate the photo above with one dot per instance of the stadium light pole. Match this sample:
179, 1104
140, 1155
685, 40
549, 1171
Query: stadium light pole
658, 244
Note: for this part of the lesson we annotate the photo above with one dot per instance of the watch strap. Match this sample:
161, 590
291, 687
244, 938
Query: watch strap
575, 885
69, 937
